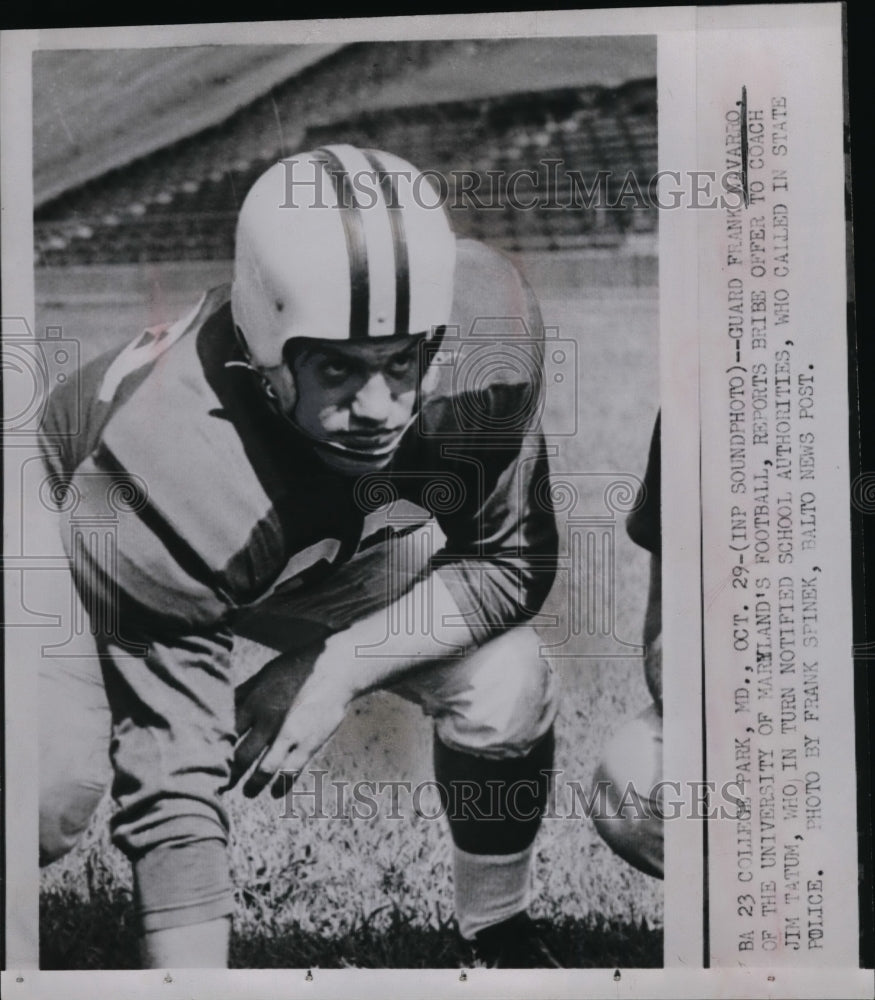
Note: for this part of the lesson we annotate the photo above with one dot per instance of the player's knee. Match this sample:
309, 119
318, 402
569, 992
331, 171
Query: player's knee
64, 814
626, 811
511, 699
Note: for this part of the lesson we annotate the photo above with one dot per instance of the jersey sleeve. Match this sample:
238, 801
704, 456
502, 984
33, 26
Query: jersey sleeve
125, 434
74, 418
499, 560
57, 441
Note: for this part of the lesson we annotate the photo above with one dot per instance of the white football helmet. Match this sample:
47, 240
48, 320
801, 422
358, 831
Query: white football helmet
340, 243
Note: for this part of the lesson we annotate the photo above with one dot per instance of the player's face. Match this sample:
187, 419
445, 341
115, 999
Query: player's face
357, 396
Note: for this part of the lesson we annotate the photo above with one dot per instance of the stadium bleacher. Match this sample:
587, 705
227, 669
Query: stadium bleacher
181, 202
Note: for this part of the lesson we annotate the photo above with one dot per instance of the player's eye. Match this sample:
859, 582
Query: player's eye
401, 364
335, 370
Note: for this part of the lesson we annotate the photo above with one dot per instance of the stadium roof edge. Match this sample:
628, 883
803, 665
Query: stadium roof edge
102, 113
80, 129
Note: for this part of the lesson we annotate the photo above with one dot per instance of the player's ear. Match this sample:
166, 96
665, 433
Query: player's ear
279, 383
432, 373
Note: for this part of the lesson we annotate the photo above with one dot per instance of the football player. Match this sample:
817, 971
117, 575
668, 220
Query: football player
249, 440
628, 776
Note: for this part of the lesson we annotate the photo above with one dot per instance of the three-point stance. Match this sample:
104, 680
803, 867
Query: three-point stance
255, 427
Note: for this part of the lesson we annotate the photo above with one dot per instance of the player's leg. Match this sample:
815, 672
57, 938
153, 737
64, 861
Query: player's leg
173, 737
493, 710
493, 756
195, 946
74, 719
74, 727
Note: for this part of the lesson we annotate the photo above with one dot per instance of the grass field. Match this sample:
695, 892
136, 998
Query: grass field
339, 892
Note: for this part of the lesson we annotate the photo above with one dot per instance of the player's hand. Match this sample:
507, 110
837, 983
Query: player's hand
318, 710
263, 702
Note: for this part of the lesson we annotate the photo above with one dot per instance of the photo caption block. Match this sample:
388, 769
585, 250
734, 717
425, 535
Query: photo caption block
782, 865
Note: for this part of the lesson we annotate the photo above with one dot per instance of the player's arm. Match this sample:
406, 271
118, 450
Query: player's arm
499, 561
495, 571
319, 684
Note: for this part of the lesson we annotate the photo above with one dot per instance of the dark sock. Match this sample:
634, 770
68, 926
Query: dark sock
494, 806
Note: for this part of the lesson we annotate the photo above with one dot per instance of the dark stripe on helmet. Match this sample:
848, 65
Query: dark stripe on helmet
356, 246
389, 186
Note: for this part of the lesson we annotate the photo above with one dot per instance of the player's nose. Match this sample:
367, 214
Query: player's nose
372, 404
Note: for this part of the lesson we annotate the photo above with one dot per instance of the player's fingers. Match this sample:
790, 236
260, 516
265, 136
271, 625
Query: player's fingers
284, 782
241, 692
297, 759
257, 781
244, 704
243, 716
248, 750
268, 766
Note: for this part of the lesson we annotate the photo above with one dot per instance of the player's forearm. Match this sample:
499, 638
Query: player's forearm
419, 628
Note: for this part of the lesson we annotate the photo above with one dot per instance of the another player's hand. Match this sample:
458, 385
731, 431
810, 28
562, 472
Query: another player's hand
653, 669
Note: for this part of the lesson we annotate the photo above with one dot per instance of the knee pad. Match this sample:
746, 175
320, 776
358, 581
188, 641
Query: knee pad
626, 814
508, 700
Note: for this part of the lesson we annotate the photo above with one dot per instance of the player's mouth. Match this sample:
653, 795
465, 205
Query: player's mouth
372, 443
